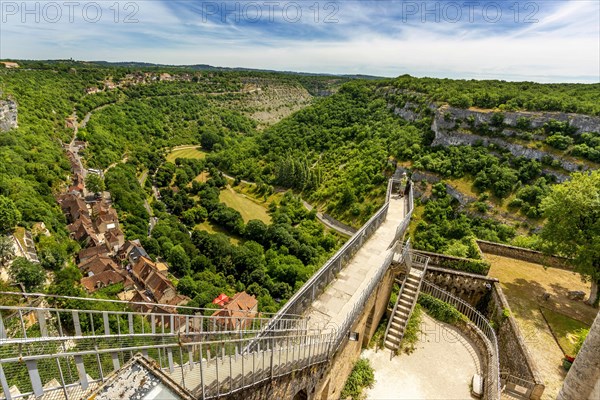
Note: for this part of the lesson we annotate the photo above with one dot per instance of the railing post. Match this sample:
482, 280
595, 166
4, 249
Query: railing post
4, 383
202, 386
34, 377
272, 356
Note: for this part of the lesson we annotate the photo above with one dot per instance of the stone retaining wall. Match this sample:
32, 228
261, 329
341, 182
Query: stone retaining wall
515, 358
456, 263
520, 253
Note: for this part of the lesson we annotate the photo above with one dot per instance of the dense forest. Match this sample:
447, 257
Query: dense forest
337, 153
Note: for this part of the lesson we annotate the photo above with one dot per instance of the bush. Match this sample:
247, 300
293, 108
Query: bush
440, 310
413, 328
581, 334
480, 267
362, 376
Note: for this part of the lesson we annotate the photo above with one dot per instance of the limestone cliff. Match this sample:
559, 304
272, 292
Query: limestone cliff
8, 115
455, 126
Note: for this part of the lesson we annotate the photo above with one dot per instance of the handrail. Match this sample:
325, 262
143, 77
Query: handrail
483, 326
407, 254
177, 333
310, 286
125, 302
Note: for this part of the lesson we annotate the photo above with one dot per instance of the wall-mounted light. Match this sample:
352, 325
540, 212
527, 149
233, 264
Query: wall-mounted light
353, 336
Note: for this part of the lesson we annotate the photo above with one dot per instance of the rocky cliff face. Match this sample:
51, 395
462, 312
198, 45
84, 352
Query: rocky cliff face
583, 123
8, 115
454, 126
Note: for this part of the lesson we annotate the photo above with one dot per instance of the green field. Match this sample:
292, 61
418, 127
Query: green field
212, 228
191, 152
563, 328
245, 205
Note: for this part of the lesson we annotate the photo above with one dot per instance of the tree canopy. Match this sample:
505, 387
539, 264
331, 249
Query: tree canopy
9, 215
572, 228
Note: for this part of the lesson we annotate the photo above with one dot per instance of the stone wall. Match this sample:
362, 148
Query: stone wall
457, 263
298, 385
8, 115
515, 358
332, 383
471, 288
520, 253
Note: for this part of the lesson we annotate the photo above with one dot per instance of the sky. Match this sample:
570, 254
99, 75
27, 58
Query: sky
543, 41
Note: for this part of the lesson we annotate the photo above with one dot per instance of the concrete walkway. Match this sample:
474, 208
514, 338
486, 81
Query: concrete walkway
333, 306
441, 367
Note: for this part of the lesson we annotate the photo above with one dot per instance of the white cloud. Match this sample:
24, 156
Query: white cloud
563, 46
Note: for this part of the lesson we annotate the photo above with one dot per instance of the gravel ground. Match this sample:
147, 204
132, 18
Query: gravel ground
441, 367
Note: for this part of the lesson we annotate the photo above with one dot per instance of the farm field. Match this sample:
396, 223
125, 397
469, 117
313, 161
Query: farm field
185, 152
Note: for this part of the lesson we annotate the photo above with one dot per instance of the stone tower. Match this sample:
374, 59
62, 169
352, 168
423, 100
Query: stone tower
583, 380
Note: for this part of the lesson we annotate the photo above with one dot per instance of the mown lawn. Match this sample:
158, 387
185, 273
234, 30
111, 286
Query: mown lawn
245, 205
564, 329
524, 283
192, 153
212, 228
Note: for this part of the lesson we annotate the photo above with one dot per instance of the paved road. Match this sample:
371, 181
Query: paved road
330, 223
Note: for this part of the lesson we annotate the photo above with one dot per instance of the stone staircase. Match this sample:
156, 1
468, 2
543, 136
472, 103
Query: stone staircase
407, 298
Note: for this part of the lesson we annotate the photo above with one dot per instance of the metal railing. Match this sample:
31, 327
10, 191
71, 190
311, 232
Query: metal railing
68, 367
60, 352
507, 379
327, 273
344, 329
412, 260
484, 329
63, 353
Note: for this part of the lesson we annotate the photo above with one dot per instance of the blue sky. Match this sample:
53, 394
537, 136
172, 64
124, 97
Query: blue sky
545, 41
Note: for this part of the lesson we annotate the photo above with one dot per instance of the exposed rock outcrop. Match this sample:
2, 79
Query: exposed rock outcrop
8, 115
455, 126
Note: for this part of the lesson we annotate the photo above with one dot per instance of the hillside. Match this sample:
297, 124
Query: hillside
483, 154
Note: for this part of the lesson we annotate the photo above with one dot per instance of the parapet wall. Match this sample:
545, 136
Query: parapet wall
515, 358
523, 254
469, 287
481, 292
332, 382
469, 265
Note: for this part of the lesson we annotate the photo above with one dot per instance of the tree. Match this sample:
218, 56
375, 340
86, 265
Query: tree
94, 183
572, 228
179, 260
6, 249
9, 214
31, 275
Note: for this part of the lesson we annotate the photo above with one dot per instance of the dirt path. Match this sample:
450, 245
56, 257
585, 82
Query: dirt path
441, 367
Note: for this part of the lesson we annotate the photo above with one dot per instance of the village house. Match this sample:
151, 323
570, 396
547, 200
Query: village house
131, 251
92, 90
114, 239
73, 207
146, 274
97, 264
90, 252
237, 313
104, 279
83, 231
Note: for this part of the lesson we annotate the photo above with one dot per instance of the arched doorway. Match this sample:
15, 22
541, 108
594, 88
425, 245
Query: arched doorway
301, 395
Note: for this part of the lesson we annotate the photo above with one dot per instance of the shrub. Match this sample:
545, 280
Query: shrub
362, 376
440, 310
413, 328
581, 334
467, 265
